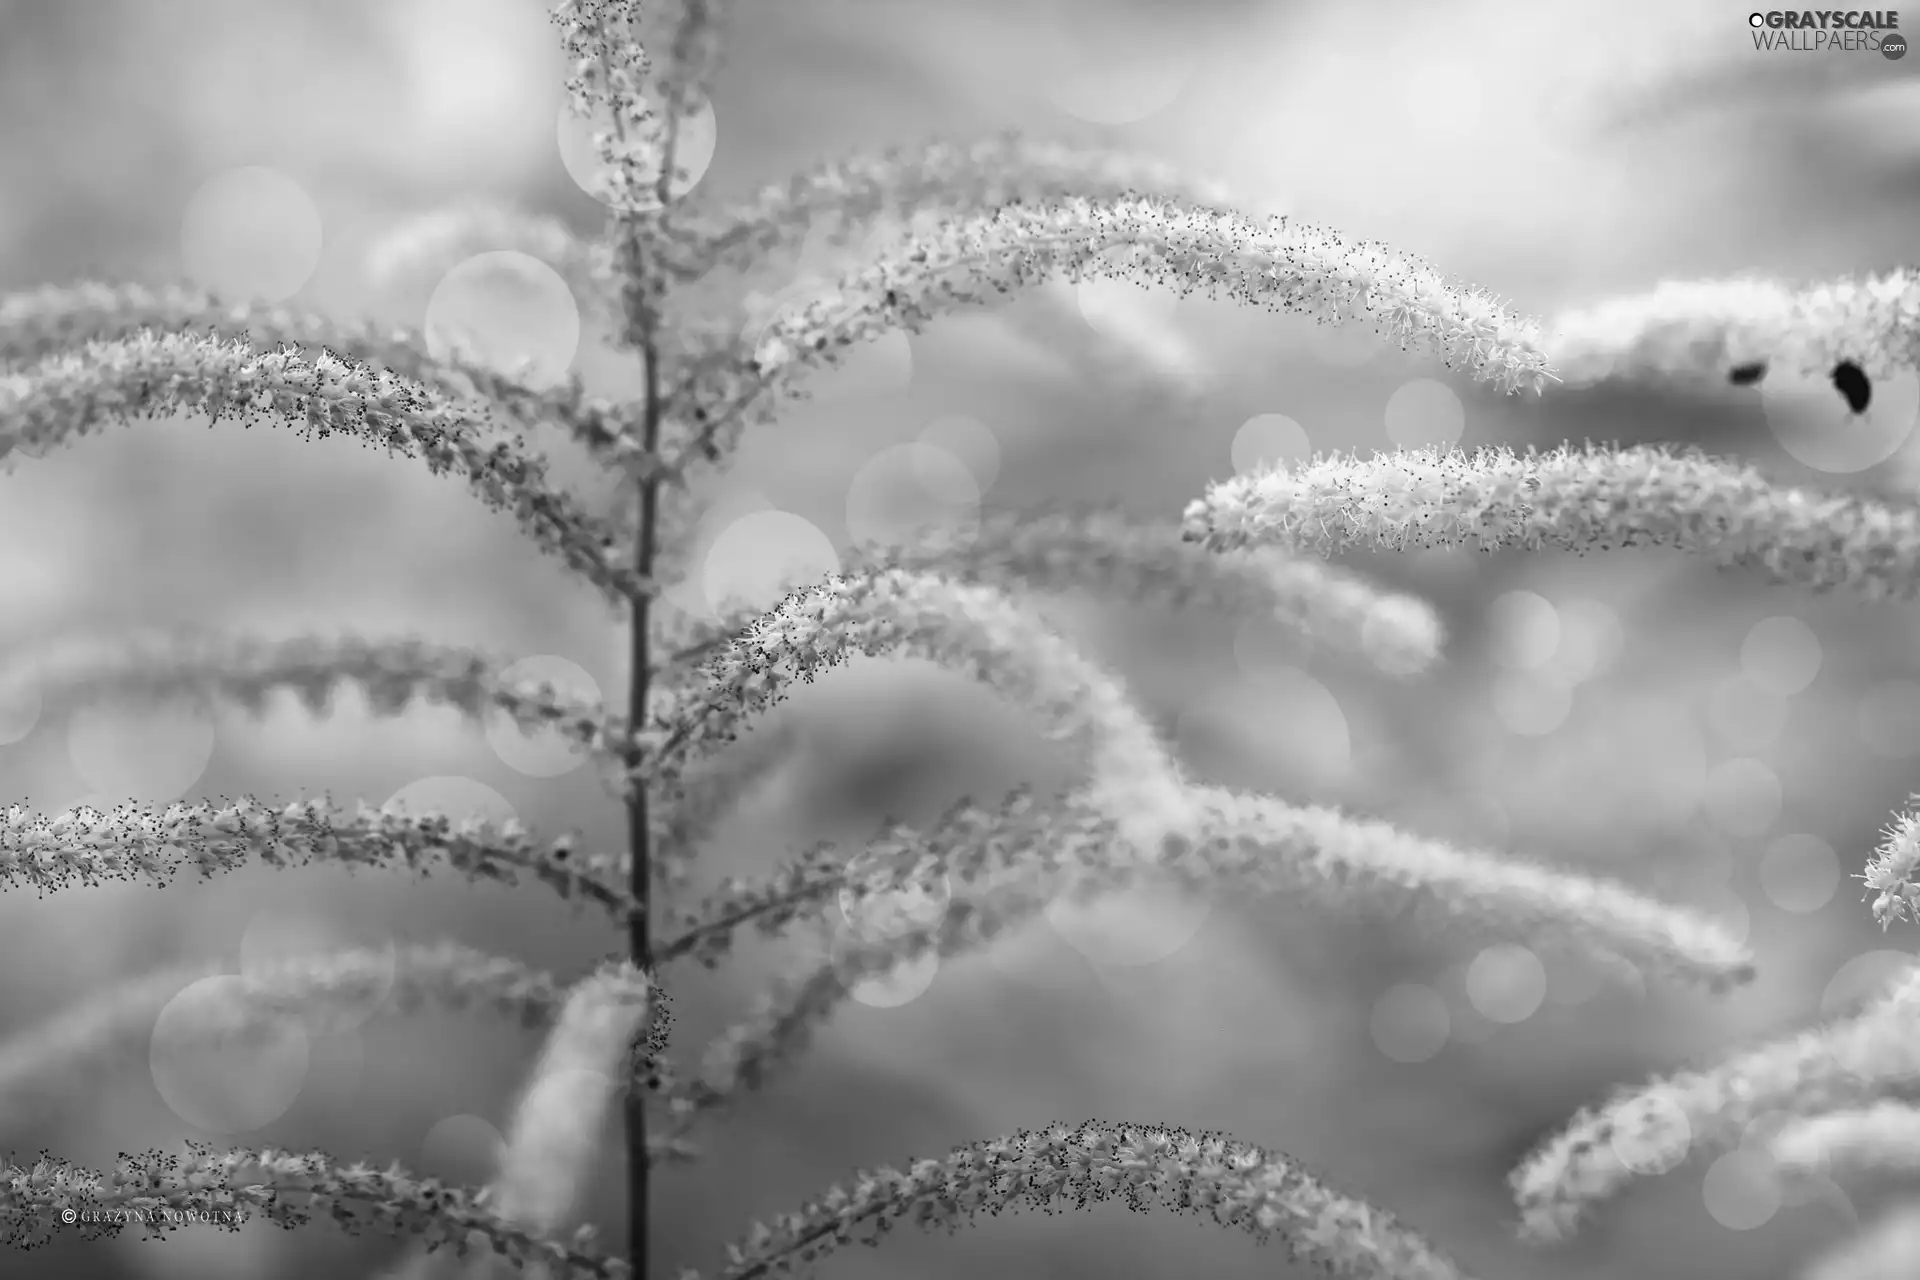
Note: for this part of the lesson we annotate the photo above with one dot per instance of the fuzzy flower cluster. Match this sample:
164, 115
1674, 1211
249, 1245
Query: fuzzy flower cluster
1657, 1126
1145, 561
1145, 1167
609, 65
1713, 327
617, 76
441, 237
966, 841
1209, 839
41, 1061
46, 321
1881, 1137
974, 630
1313, 850
88, 846
981, 632
987, 256
150, 375
286, 1188
1018, 855
1884, 1251
245, 671
1116, 557
40, 323
1034, 852
605, 1033
1577, 499
557, 1124
1276, 264
1880, 1140
1014, 853
708, 793
936, 180
1889, 874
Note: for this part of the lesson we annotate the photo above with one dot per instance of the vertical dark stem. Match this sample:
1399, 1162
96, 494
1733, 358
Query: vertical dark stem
641, 304
641, 327
639, 943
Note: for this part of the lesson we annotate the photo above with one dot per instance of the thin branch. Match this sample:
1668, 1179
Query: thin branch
963, 842
245, 671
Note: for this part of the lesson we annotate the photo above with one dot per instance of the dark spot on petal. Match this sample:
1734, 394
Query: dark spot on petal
1851, 381
1745, 375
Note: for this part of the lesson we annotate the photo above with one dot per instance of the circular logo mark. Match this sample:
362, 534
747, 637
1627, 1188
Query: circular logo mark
1756, 19
1893, 45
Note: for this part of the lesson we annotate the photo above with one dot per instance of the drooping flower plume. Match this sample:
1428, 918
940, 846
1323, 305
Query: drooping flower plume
1656, 1126
68, 394
288, 1188
1125, 559
1576, 499
1142, 1166
1713, 328
40, 323
986, 257
40, 1061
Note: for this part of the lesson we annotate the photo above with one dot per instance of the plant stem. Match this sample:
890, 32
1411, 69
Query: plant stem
642, 325
639, 943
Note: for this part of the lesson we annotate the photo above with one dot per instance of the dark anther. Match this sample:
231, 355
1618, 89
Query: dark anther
1851, 381
1745, 375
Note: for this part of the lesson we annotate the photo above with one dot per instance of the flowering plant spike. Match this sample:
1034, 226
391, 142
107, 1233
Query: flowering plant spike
966, 222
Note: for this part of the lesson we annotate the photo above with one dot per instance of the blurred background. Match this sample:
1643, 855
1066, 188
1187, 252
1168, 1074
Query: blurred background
1703, 736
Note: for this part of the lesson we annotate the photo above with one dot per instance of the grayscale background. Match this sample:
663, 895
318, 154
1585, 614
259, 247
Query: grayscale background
1555, 154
